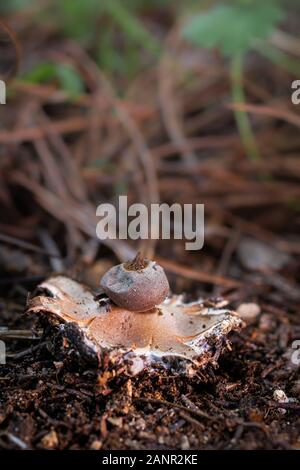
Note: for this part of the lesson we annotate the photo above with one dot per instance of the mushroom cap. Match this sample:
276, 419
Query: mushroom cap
137, 290
189, 332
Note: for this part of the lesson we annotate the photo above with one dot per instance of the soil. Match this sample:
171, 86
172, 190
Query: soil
53, 404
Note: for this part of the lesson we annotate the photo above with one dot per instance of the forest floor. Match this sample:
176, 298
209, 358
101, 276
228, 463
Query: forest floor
170, 137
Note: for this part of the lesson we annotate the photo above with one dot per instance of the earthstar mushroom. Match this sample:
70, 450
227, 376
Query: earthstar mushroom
173, 334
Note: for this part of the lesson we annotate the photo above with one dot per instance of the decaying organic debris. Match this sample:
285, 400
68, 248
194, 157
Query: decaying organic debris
175, 335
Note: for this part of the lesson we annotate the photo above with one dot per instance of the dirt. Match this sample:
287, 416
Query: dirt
51, 404
169, 136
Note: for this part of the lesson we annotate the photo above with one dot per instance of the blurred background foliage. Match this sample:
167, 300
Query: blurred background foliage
124, 36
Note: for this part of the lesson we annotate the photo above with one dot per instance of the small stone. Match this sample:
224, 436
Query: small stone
50, 440
267, 323
58, 365
184, 444
117, 422
249, 311
96, 445
280, 396
140, 424
256, 255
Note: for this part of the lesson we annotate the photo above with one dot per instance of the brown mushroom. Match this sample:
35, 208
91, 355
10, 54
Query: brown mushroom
189, 332
138, 285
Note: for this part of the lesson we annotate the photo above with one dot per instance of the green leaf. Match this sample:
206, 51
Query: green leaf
69, 80
233, 29
41, 73
66, 75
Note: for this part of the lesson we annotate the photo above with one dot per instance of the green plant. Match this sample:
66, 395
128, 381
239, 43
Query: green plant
234, 29
66, 75
111, 29
136, 37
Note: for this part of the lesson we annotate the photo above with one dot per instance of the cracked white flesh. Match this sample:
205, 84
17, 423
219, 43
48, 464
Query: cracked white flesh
173, 328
